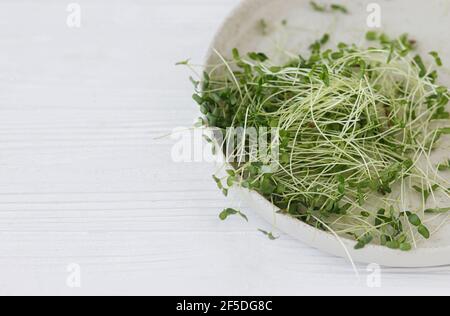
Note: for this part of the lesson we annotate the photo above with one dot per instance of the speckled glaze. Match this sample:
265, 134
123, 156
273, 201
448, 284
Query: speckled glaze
243, 30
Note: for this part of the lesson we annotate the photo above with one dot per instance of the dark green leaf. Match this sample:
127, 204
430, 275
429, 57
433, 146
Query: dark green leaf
229, 212
325, 38
258, 56
437, 210
183, 62
393, 244
226, 213
419, 62
197, 99
236, 55
325, 76
340, 8
437, 59
372, 36
263, 26
218, 182
405, 246
423, 230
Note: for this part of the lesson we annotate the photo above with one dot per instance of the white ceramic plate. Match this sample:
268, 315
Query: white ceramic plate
427, 21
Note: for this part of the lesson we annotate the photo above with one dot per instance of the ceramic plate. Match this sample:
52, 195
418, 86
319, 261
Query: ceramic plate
426, 21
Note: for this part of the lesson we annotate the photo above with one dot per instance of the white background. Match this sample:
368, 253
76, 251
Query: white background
84, 179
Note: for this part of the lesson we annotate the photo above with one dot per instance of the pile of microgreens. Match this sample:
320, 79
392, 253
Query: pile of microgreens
356, 127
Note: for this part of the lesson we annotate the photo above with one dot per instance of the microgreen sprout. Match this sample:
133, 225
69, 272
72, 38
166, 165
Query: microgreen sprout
339, 8
324, 8
437, 59
229, 212
357, 128
437, 210
183, 62
371, 36
444, 166
269, 235
426, 192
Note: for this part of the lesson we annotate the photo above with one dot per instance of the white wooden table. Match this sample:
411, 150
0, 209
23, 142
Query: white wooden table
85, 184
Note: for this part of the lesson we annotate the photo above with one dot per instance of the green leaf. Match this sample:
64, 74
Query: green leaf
200, 123
437, 59
414, 220
408, 44
405, 246
258, 56
206, 81
437, 210
337, 55
236, 55
226, 213
341, 186
419, 62
267, 186
384, 39
243, 216
268, 234
391, 52
402, 239
371, 36
393, 244
423, 230
325, 39
444, 131
231, 172
197, 99
229, 212
364, 241
263, 26
367, 238
383, 240
381, 218
325, 76
218, 182
340, 8
342, 46
194, 82
315, 48
281, 189
230, 181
